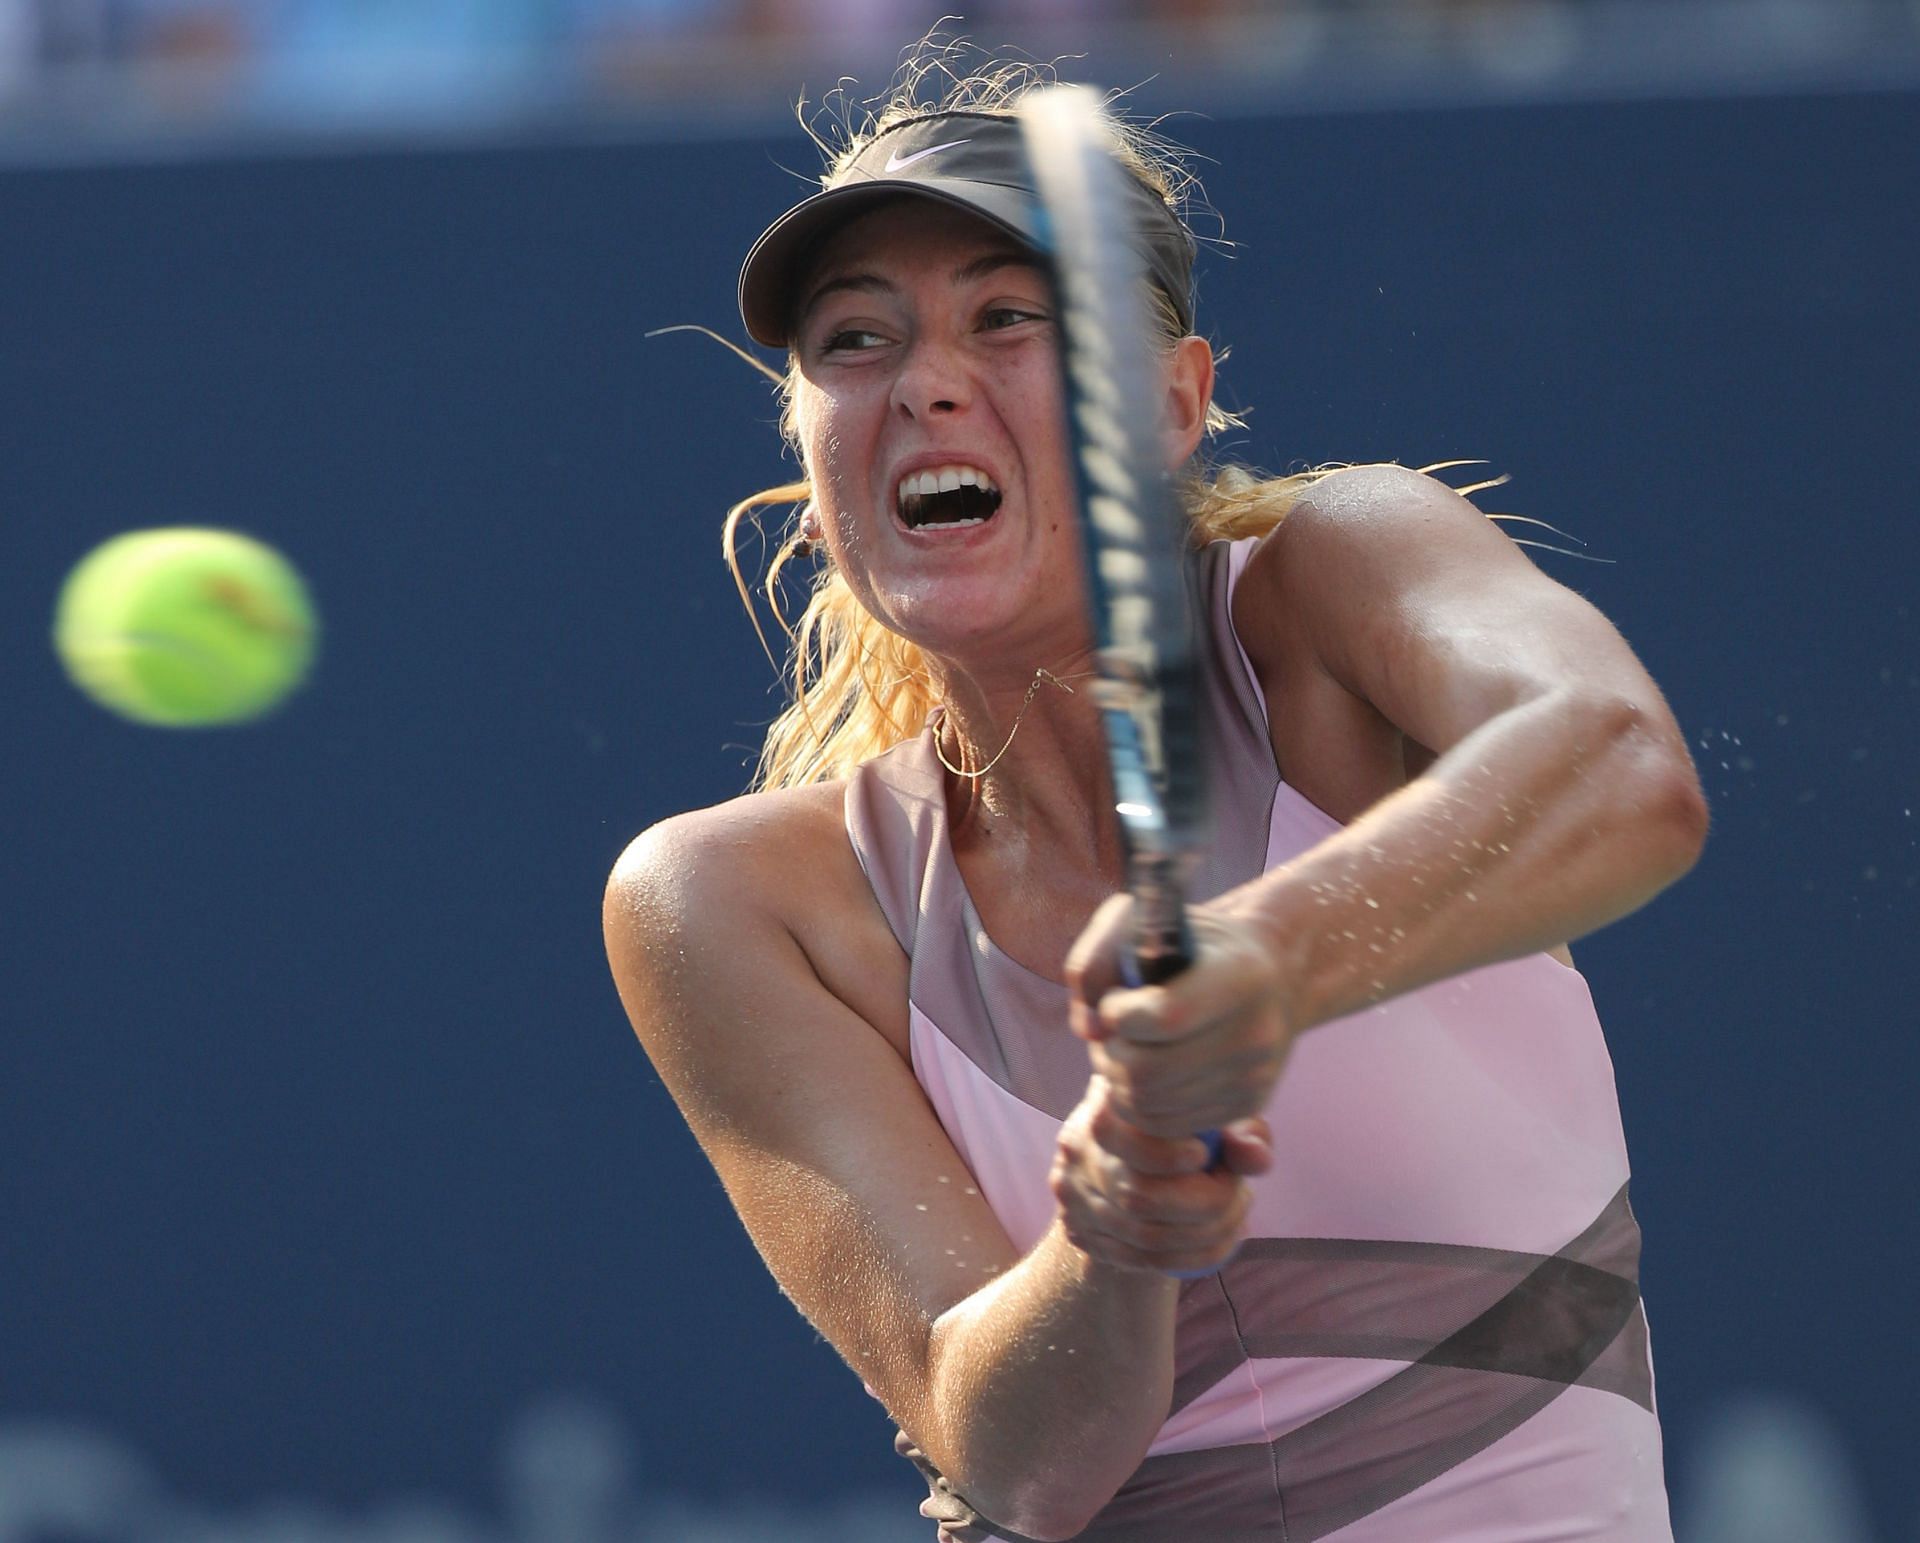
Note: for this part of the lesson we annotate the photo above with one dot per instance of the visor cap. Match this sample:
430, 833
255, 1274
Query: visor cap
970, 160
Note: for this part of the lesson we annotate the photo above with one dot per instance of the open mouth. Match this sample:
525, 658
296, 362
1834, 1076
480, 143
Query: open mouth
947, 497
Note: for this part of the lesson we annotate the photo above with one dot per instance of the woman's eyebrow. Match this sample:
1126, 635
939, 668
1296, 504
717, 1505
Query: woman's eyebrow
992, 262
865, 283
873, 283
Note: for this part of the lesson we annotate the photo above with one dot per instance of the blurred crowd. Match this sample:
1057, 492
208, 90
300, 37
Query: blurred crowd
48, 37
52, 33
78, 57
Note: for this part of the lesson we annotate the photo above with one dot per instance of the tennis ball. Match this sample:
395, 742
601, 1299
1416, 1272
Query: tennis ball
185, 626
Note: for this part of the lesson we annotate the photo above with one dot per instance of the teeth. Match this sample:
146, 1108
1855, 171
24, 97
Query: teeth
943, 479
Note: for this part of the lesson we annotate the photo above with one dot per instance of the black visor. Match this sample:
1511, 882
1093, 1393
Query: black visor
973, 161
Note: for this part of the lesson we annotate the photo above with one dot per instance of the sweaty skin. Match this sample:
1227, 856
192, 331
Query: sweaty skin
1507, 775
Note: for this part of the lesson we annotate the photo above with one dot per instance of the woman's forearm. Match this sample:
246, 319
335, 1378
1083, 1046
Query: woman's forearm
1546, 823
1048, 1384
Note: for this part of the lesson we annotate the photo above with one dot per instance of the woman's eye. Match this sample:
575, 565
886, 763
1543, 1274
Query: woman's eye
1002, 316
850, 340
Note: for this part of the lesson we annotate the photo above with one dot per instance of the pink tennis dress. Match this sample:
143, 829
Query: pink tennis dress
1434, 1329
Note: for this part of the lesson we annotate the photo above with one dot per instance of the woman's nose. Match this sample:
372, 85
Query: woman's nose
933, 380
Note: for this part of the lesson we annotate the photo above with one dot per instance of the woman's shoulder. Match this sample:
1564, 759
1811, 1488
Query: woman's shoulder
1319, 587
744, 851
1351, 497
1355, 537
769, 877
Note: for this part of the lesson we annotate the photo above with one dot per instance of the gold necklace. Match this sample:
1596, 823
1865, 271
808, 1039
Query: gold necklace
1041, 677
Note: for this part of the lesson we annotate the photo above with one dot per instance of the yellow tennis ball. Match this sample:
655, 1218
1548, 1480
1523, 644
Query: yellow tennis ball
185, 626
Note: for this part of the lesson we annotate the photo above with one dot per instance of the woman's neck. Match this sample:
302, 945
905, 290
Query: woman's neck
1027, 766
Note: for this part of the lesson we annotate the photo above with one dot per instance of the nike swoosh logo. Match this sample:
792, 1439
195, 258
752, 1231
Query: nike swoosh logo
896, 161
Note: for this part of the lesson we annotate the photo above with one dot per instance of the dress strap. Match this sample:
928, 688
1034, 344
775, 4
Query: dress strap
896, 819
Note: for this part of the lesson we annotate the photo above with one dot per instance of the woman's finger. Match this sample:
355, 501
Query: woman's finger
1094, 966
1170, 1097
1143, 1151
1151, 1213
1230, 971
1246, 1147
1107, 1232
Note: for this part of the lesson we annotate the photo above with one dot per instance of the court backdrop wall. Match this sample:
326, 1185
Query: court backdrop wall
326, 1153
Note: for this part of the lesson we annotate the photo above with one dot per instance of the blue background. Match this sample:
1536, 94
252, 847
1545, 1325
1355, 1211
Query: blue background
324, 1144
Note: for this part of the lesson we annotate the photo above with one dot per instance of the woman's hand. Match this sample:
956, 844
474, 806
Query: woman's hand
1145, 1202
1196, 1053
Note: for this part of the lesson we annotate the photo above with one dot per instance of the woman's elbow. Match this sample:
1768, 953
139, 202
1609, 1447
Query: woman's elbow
1055, 1517
1690, 818
1047, 1506
1655, 787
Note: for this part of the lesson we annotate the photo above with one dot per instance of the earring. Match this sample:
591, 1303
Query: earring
808, 541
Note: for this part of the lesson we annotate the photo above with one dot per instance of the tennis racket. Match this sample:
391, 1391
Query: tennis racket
1133, 534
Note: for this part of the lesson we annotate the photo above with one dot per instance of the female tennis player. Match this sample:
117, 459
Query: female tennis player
884, 986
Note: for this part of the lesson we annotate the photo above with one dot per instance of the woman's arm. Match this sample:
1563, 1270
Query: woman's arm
1034, 1383
1561, 795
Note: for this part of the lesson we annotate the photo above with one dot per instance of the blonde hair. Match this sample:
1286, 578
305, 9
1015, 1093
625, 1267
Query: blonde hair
857, 688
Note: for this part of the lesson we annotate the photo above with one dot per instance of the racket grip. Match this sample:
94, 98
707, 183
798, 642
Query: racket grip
1151, 970
1212, 1139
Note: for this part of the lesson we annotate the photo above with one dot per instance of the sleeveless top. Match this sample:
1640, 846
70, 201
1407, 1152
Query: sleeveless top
1433, 1329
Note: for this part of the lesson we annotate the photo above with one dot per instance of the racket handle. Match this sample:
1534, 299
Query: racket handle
1161, 950
1212, 1139
1151, 969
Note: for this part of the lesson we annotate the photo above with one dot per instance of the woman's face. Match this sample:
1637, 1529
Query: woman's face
928, 410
